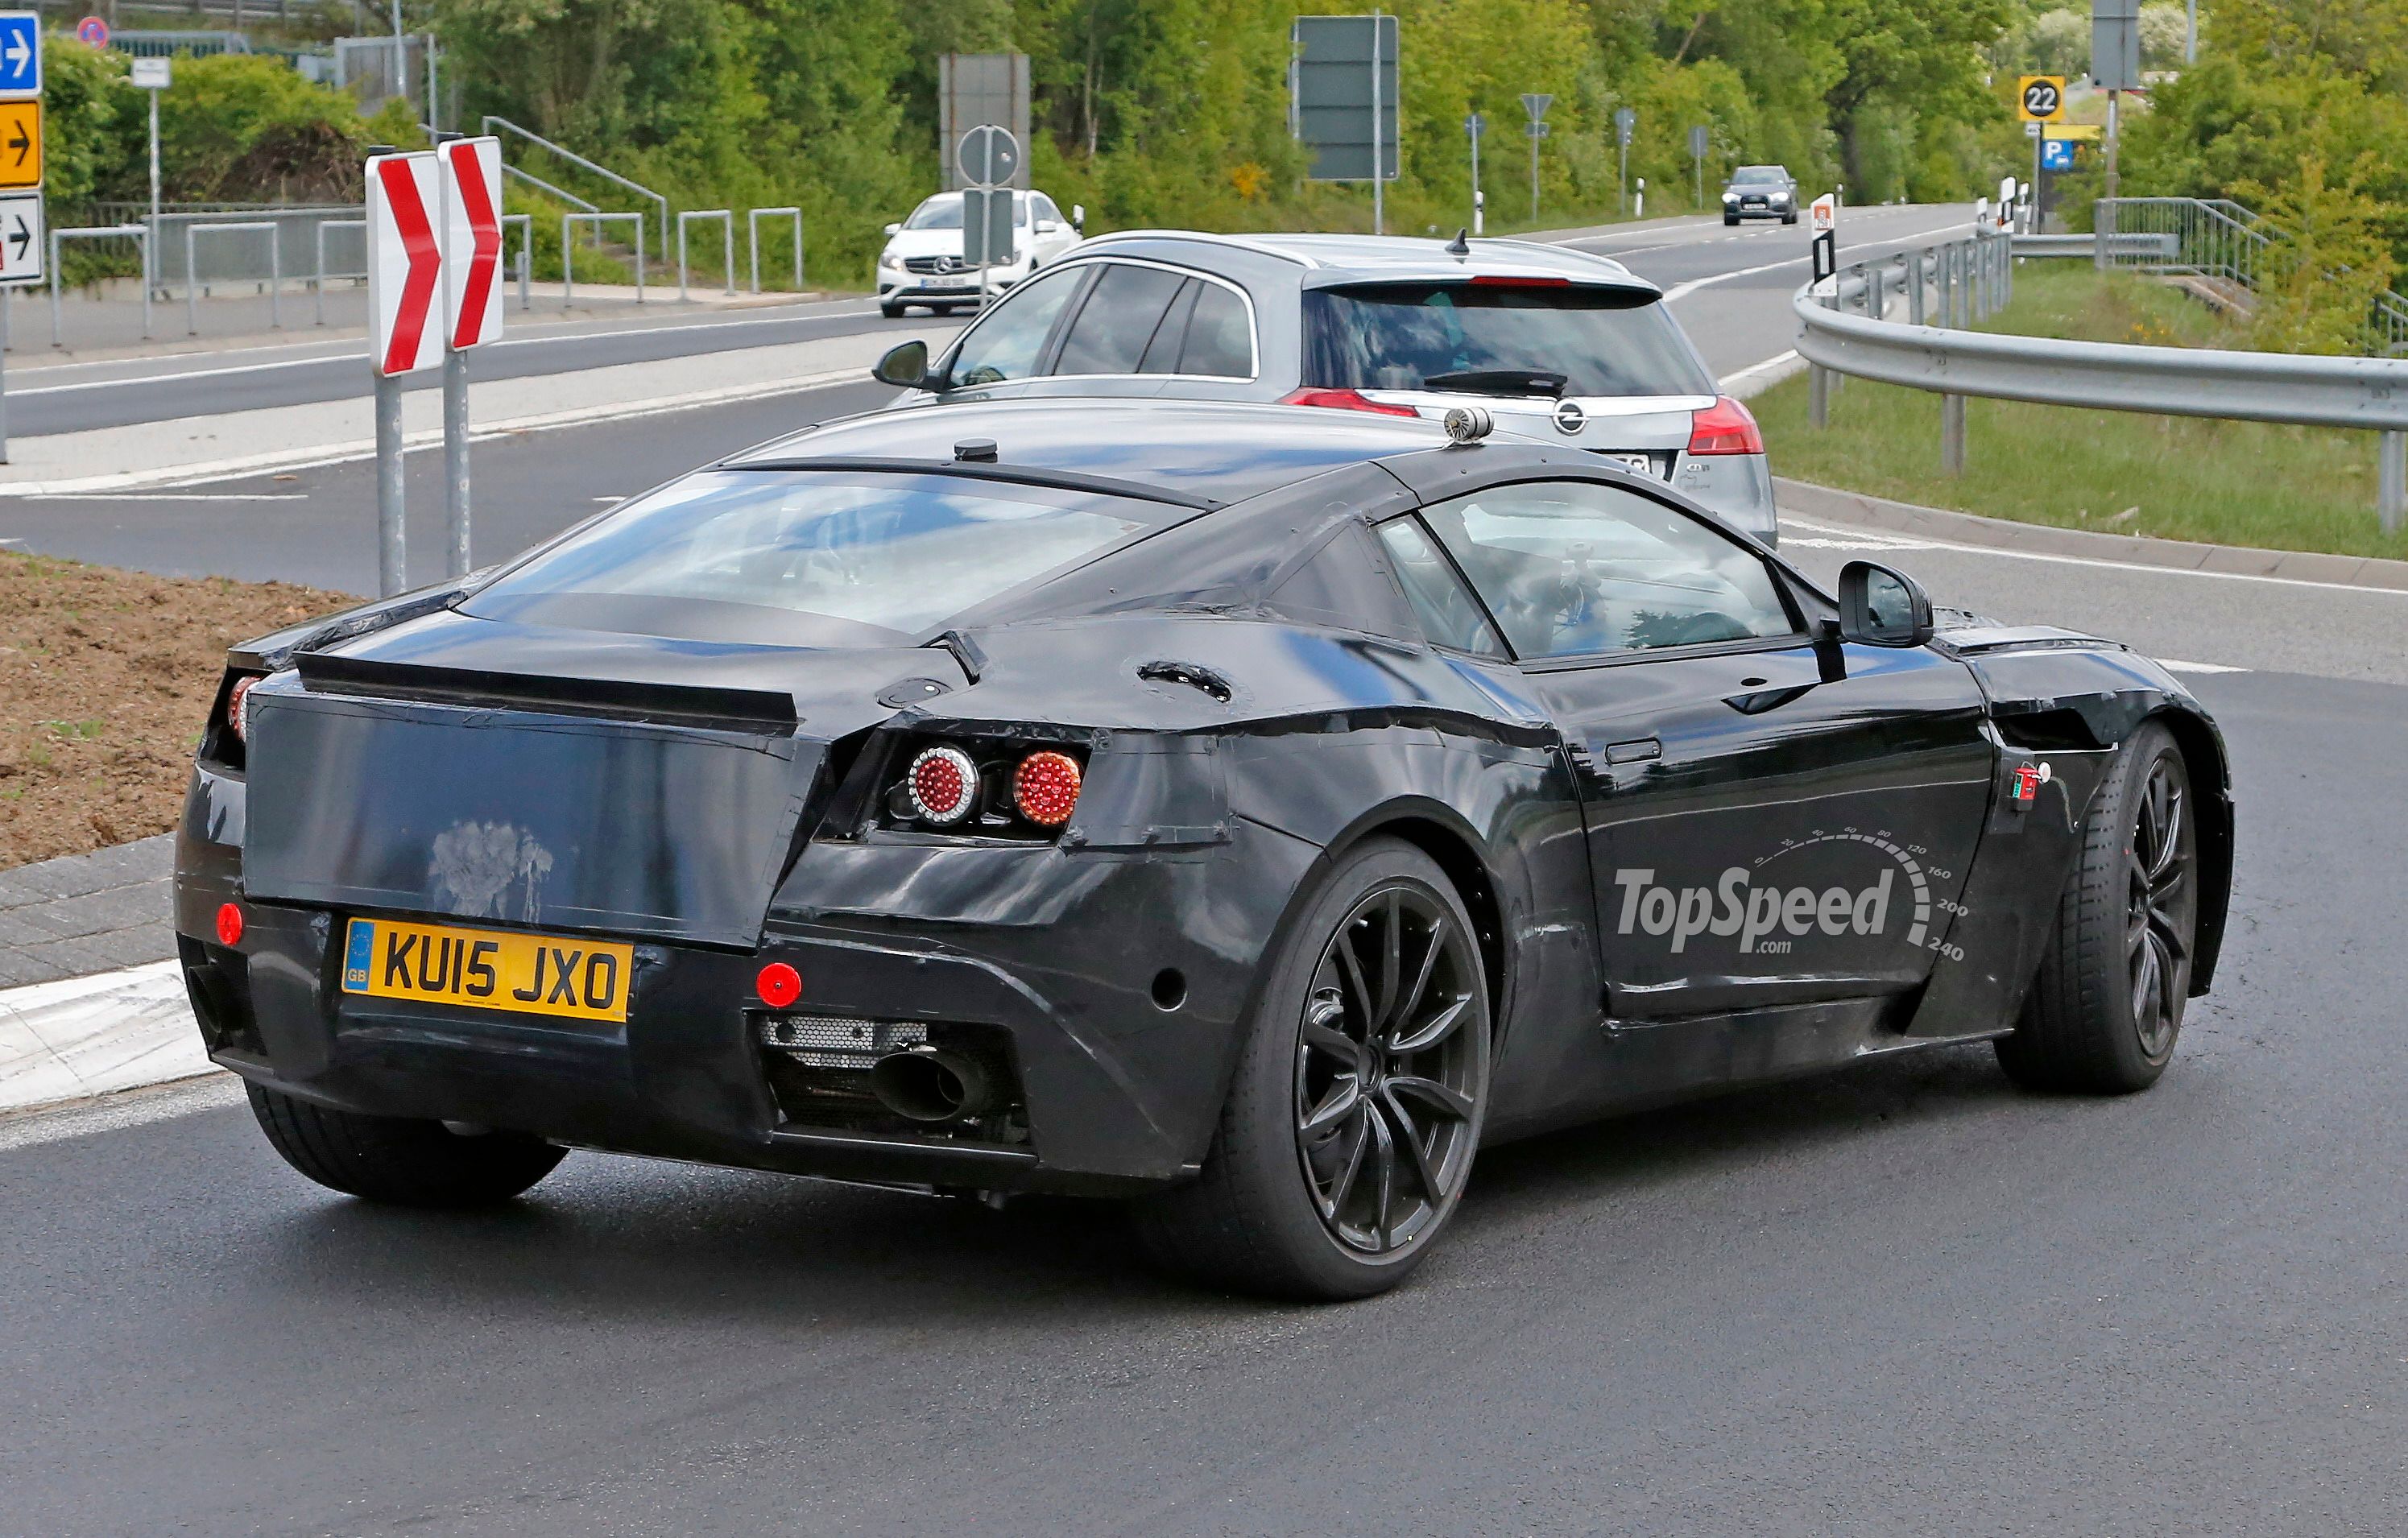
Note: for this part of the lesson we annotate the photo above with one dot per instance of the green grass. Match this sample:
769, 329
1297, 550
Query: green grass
2171, 478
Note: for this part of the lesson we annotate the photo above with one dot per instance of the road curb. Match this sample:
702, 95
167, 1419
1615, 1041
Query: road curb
2343, 571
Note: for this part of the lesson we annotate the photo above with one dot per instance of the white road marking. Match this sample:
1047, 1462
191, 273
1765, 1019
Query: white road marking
1682, 291
172, 496
1790, 521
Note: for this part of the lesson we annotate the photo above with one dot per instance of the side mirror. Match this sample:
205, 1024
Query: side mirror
1880, 607
905, 366
1079, 217
893, 229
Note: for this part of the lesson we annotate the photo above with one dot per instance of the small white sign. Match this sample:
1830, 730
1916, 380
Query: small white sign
23, 246
152, 73
1823, 215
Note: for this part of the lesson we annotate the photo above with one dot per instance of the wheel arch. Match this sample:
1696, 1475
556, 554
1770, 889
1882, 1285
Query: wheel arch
2206, 761
1437, 832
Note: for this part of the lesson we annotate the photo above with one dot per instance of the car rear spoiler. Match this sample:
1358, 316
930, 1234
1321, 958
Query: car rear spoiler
682, 705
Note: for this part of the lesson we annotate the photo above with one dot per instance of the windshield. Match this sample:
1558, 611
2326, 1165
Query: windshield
777, 557
1747, 174
945, 212
1601, 341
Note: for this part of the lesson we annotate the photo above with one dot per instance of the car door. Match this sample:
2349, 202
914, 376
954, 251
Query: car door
1773, 819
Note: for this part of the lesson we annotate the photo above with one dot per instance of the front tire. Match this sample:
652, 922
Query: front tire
1349, 1132
399, 1160
2107, 1004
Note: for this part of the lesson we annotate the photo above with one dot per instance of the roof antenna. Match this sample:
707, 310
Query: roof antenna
1459, 248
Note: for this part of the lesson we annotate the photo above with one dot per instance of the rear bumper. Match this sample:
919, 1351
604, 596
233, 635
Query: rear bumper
1114, 1093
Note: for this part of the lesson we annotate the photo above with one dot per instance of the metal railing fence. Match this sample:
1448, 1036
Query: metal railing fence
752, 219
567, 253
293, 248
194, 231
727, 240
527, 135
1843, 332
2218, 238
138, 234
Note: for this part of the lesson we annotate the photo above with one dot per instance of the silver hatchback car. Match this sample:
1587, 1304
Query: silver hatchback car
1558, 345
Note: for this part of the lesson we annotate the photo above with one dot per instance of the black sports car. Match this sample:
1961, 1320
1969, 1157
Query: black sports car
1245, 811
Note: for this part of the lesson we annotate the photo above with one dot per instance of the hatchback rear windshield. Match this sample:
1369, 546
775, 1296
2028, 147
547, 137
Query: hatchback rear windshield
1605, 341
805, 558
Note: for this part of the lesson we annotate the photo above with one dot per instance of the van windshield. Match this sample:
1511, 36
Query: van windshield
1604, 341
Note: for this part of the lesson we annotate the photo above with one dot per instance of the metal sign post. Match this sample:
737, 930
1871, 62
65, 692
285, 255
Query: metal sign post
1700, 140
405, 325
1472, 126
151, 76
470, 192
987, 157
1536, 103
1625, 120
2115, 68
24, 244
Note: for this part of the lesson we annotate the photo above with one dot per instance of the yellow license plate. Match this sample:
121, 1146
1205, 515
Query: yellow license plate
488, 969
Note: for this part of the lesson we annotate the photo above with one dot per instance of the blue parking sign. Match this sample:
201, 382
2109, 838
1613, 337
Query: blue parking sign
2057, 154
20, 53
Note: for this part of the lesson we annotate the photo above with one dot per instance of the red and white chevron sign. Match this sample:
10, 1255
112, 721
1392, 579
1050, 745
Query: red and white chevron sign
405, 263
472, 241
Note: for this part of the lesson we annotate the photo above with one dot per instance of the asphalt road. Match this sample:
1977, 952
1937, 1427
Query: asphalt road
1906, 1299
1730, 289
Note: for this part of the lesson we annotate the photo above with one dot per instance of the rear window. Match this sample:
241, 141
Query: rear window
1400, 336
805, 558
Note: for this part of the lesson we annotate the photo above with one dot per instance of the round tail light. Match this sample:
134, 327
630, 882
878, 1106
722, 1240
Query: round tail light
943, 785
237, 716
779, 985
229, 924
1045, 787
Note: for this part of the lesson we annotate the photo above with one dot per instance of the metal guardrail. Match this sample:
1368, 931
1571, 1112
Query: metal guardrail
2364, 393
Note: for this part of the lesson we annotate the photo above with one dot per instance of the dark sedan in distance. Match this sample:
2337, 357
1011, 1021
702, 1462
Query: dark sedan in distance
1241, 812
1761, 192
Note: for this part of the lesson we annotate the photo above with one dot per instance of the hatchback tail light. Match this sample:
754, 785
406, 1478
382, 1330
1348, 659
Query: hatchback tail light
1725, 427
237, 716
943, 786
1344, 400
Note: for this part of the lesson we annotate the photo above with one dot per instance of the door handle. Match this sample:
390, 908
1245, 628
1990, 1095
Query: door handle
1634, 750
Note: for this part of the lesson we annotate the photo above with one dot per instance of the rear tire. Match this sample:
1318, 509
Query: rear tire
1357, 1103
2107, 1004
396, 1160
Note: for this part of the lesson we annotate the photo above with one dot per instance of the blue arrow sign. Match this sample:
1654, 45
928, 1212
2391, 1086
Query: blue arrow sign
20, 53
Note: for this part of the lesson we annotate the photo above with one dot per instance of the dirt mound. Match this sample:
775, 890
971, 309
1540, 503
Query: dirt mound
105, 678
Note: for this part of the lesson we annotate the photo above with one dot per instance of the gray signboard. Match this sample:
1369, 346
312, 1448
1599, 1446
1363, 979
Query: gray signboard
1345, 77
973, 89
986, 226
2115, 44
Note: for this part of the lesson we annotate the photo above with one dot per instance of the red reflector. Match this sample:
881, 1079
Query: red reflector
779, 985
943, 785
235, 716
1344, 400
1724, 428
229, 924
1499, 281
1046, 788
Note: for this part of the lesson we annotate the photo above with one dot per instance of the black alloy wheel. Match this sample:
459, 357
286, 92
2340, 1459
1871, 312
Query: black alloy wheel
1386, 1080
2106, 1006
1361, 1086
2161, 902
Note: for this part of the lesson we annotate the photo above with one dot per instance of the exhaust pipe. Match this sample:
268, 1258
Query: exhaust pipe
932, 1085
